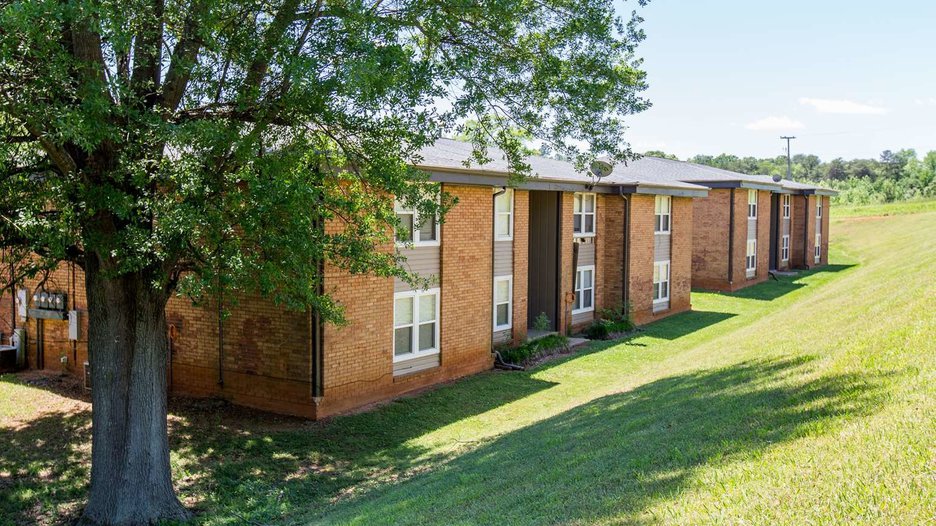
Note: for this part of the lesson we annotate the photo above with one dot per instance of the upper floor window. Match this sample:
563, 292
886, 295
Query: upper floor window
752, 204
412, 228
583, 215
786, 206
662, 214
584, 289
503, 215
415, 323
819, 208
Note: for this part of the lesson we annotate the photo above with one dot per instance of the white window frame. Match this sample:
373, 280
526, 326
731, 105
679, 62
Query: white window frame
581, 197
750, 255
786, 206
509, 302
752, 203
579, 272
658, 265
414, 349
659, 214
415, 233
508, 194
819, 208
785, 248
818, 247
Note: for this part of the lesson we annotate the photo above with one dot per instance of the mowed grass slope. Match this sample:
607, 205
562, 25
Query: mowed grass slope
810, 400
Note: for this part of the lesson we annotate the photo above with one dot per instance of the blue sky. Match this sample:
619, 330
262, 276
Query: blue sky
848, 78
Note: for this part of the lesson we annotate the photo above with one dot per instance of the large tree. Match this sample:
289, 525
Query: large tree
189, 146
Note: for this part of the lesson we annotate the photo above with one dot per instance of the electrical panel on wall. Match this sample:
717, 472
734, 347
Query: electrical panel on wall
73, 325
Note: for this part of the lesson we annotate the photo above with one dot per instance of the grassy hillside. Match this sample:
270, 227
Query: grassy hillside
804, 401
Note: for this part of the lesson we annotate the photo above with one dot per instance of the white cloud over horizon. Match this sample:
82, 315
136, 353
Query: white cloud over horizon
774, 123
842, 106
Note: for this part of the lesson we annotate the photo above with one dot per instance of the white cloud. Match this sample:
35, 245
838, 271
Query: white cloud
931, 101
847, 107
774, 123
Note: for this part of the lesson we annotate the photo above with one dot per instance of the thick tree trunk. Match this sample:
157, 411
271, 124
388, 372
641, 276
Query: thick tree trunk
130, 478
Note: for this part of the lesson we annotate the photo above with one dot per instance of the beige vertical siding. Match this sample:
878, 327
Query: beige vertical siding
423, 261
503, 258
586, 255
661, 247
413, 365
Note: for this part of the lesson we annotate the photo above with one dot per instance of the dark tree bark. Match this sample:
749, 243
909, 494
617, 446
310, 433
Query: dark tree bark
127, 337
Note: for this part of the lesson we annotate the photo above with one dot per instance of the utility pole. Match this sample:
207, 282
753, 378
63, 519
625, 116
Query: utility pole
789, 160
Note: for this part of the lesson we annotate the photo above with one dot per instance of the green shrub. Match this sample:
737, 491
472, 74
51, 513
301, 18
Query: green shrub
600, 329
613, 320
532, 350
542, 323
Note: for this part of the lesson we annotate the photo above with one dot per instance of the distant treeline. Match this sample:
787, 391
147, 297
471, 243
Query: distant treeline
894, 176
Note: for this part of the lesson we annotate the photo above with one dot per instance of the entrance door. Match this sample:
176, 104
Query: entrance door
543, 282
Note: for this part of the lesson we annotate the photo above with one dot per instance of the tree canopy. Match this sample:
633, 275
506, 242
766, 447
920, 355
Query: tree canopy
200, 145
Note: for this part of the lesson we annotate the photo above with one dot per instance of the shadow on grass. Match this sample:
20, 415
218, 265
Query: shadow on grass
44, 468
230, 462
774, 288
684, 323
240, 470
618, 455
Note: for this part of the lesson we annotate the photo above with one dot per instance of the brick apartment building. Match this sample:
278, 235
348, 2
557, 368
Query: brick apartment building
749, 225
561, 244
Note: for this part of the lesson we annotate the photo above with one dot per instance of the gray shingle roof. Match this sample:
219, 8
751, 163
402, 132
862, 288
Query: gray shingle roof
448, 154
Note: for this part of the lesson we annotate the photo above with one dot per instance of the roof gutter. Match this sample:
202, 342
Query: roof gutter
626, 255
731, 222
494, 197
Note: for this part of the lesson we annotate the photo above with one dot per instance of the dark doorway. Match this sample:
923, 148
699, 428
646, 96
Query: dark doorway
543, 282
774, 229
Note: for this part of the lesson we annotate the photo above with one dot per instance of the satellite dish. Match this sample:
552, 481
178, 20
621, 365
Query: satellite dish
600, 168
777, 178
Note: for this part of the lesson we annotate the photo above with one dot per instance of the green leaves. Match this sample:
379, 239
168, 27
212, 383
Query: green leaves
243, 145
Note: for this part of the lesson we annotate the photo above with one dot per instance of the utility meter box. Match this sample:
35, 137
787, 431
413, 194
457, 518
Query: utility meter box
73, 325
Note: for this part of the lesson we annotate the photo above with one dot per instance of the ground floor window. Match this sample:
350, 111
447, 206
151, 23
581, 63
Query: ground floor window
661, 281
415, 323
818, 247
584, 290
503, 302
785, 248
751, 260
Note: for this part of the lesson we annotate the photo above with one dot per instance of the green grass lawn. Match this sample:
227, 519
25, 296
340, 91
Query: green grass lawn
809, 400
903, 207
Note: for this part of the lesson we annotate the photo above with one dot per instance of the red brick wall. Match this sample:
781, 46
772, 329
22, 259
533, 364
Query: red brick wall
710, 240
764, 213
359, 355
6, 314
640, 271
521, 256
56, 342
609, 251
681, 244
266, 354
566, 238
640, 274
